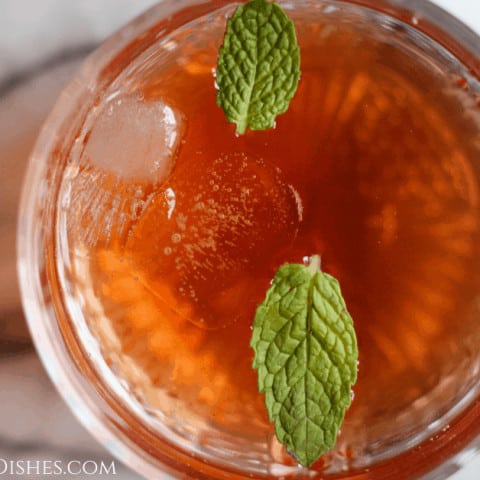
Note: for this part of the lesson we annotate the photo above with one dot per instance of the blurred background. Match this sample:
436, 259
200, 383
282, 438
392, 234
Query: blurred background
42, 42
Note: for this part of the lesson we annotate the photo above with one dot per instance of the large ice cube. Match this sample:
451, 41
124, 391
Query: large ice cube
213, 233
135, 139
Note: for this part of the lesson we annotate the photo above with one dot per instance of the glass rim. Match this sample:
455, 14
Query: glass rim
422, 15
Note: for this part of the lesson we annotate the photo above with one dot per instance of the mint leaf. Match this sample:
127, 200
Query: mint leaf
306, 356
258, 66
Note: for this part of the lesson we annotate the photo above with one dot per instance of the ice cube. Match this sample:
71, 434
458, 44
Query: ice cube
136, 139
212, 232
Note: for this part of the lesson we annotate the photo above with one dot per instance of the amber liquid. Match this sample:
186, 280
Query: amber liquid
374, 167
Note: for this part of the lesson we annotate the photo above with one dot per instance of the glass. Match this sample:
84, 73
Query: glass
117, 258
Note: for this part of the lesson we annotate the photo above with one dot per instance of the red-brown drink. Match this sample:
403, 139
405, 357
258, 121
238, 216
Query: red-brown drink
175, 227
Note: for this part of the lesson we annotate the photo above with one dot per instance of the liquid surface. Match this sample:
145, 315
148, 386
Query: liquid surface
374, 167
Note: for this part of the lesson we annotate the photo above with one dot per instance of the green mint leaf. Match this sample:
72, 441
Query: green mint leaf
258, 66
306, 356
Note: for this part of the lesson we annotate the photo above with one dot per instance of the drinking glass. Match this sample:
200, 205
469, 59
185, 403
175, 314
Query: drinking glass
169, 397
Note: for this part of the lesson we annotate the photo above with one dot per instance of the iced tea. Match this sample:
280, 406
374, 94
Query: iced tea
175, 227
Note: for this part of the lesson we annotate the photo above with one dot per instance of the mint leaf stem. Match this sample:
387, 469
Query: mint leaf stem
315, 264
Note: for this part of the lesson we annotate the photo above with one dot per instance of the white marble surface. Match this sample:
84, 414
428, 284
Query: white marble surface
466, 10
34, 422
32, 31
